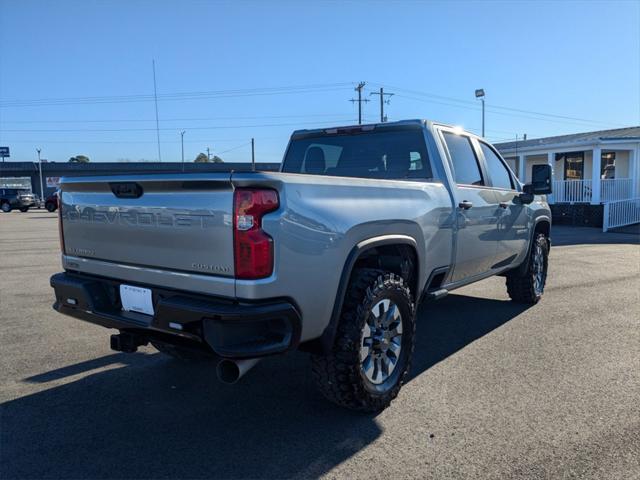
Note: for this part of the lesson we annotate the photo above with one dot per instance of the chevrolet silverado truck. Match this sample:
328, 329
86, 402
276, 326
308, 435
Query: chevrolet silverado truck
330, 255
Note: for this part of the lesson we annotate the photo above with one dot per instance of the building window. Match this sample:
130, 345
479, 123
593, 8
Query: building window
573, 165
608, 165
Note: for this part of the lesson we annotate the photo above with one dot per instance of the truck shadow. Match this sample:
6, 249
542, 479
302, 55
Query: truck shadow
446, 326
147, 416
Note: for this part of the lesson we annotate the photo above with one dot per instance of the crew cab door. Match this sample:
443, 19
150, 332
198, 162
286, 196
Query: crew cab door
477, 209
512, 231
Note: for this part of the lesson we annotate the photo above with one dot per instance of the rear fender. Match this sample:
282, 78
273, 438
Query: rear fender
324, 344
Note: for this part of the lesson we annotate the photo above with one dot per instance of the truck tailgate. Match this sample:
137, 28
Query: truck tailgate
169, 222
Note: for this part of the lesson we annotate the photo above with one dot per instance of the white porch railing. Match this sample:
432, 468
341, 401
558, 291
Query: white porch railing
616, 189
580, 191
621, 213
571, 191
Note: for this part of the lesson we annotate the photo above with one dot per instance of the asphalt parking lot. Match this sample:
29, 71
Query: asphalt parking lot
498, 390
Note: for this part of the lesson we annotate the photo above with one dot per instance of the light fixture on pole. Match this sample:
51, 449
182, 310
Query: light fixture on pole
480, 95
40, 168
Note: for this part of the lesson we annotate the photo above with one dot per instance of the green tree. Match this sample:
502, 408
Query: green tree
79, 159
202, 158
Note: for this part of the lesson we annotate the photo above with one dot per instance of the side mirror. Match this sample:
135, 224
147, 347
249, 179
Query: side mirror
540, 181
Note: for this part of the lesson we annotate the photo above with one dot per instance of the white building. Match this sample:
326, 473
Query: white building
614, 178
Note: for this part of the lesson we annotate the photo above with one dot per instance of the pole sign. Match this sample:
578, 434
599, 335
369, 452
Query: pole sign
53, 182
4, 152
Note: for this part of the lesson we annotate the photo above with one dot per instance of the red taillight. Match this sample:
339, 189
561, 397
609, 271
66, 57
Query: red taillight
253, 248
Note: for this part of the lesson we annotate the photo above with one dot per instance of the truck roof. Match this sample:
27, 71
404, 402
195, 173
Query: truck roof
367, 126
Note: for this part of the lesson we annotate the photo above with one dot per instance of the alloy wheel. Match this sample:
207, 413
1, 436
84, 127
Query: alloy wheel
381, 341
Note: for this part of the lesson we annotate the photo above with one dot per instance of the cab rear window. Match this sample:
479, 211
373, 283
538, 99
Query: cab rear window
394, 154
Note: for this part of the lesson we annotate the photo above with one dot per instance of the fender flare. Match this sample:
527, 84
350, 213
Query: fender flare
324, 343
542, 218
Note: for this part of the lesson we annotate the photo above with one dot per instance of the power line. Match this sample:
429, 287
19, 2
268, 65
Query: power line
149, 129
165, 120
177, 95
299, 89
495, 108
163, 142
502, 113
210, 92
235, 148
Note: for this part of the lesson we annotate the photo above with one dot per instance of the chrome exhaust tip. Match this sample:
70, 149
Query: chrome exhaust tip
230, 371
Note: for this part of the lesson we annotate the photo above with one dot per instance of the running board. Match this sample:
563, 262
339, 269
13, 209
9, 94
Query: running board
437, 294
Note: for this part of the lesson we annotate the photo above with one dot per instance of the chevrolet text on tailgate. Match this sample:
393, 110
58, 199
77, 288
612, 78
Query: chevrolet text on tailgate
331, 255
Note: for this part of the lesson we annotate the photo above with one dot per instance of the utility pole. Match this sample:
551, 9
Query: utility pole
208, 155
182, 146
480, 95
359, 100
155, 98
382, 102
253, 155
40, 168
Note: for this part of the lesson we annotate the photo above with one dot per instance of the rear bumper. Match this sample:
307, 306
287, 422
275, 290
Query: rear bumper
228, 328
26, 202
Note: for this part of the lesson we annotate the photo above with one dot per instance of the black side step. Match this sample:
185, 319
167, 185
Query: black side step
437, 294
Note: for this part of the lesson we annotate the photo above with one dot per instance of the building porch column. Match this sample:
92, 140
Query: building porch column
596, 165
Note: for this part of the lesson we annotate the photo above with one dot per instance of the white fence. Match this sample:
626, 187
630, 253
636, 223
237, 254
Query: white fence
616, 189
571, 191
621, 213
581, 191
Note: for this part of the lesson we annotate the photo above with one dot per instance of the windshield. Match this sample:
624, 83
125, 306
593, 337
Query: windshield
390, 154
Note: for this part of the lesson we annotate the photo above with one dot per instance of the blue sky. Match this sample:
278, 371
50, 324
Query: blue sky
571, 59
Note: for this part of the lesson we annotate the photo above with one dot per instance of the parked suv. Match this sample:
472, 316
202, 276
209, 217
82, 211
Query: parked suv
51, 203
331, 255
11, 198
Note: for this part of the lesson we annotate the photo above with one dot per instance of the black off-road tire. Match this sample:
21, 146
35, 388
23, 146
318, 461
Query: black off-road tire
24, 209
181, 353
339, 375
521, 283
5, 207
50, 206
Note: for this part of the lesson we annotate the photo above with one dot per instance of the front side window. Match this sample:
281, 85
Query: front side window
466, 170
498, 172
390, 154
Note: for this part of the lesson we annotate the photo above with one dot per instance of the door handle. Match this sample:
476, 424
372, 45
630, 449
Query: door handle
504, 205
465, 205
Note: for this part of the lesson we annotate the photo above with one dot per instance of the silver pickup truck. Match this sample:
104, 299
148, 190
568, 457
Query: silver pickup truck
331, 255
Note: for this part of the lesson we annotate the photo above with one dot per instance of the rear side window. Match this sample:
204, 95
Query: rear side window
390, 154
498, 172
466, 170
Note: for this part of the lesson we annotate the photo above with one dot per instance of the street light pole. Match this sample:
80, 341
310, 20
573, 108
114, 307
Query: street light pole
40, 168
253, 155
182, 146
480, 95
482, 117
